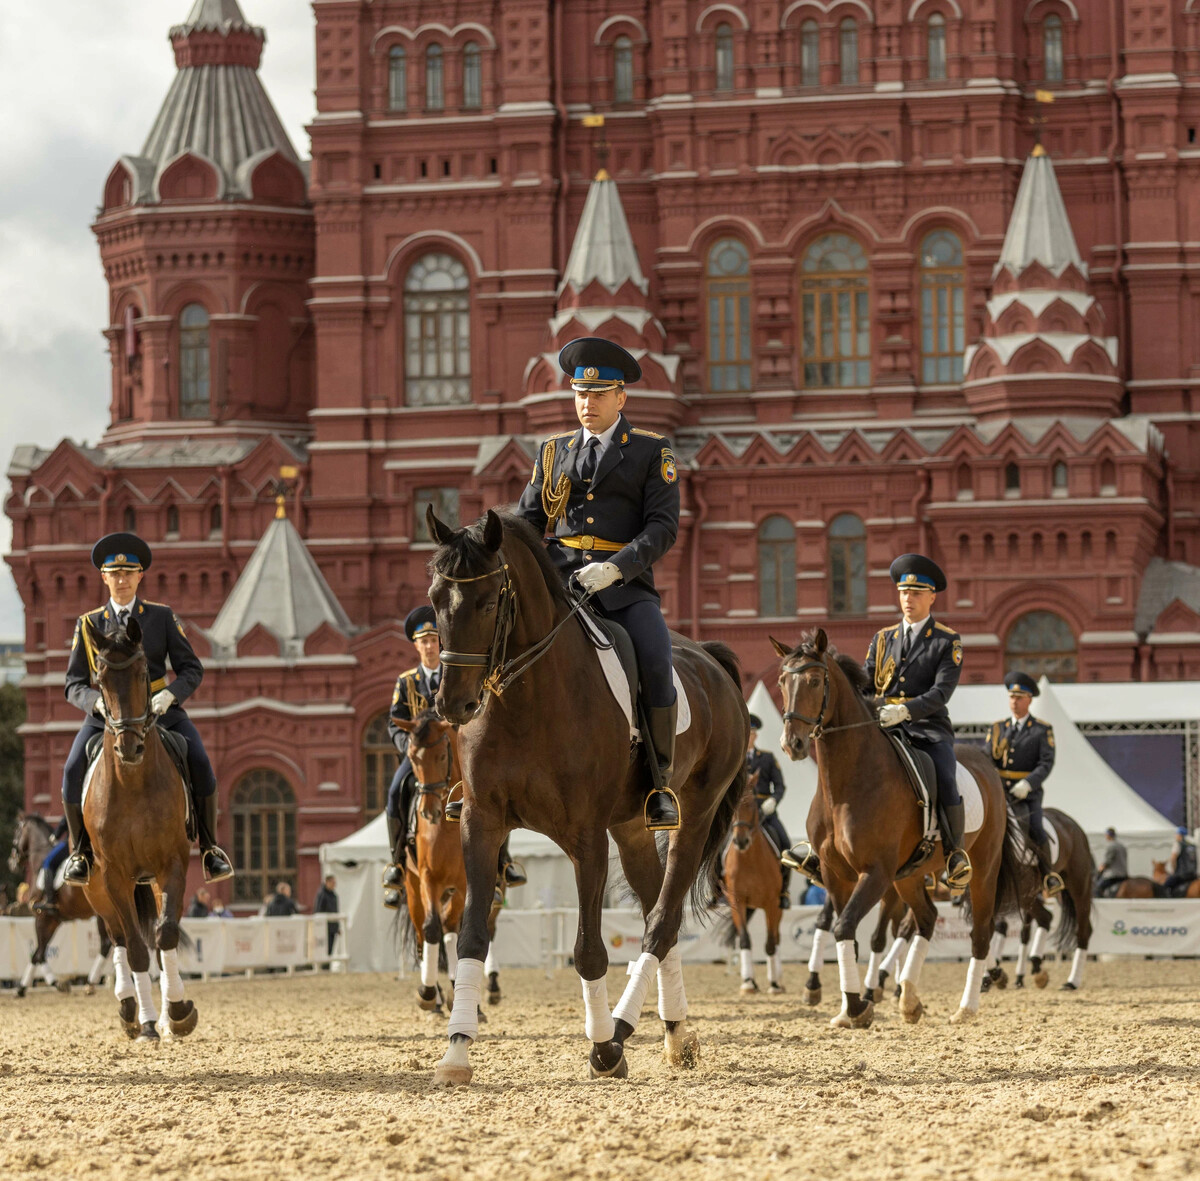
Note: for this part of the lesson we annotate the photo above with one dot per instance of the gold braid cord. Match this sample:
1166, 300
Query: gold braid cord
554, 500
883, 672
416, 702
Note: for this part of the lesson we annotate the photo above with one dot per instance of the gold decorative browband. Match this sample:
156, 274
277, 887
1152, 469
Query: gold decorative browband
588, 542
1014, 774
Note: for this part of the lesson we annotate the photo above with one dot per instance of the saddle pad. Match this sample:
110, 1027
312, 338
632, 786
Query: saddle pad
614, 674
40, 880
972, 799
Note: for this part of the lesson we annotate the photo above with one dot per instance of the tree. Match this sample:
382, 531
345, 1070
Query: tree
12, 775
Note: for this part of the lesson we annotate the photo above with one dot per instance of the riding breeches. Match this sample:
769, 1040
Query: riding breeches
945, 766
774, 829
54, 859
204, 782
1033, 804
647, 629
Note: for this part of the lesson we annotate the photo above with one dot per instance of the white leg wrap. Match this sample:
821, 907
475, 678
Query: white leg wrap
775, 967
491, 964
872, 978
172, 981
975, 974
429, 964
97, 972
820, 938
1077, 962
996, 951
915, 961
894, 956
629, 1007
46, 974
123, 977
143, 986
468, 985
1035, 944
1022, 959
450, 942
672, 1000
848, 967
27, 978
598, 1021
747, 961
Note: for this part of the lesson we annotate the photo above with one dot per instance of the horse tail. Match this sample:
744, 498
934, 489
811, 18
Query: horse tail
146, 907
410, 939
726, 932
1068, 925
1012, 870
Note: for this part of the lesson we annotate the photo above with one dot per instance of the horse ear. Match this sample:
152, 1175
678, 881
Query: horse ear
405, 724
438, 530
94, 635
133, 630
782, 650
493, 531
820, 641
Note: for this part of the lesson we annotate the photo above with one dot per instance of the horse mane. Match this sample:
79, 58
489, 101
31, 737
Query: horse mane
465, 554
41, 822
851, 669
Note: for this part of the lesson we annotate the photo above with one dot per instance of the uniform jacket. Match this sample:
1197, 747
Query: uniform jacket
770, 777
413, 695
163, 639
923, 681
633, 499
1025, 753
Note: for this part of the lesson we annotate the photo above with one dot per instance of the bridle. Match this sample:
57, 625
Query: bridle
438, 787
139, 725
819, 728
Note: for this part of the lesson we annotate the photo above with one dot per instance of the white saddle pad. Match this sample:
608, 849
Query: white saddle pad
972, 799
40, 882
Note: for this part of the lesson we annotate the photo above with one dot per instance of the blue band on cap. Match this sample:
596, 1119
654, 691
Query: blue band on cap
598, 373
423, 630
920, 580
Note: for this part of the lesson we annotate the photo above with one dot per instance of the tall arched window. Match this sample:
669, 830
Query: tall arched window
435, 83
397, 79
215, 521
1058, 479
1042, 643
728, 283
848, 52
437, 332
1052, 48
776, 567
472, 76
193, 363
379, 764
1012, 480
943, 324
172, 521
622, 70
263, 807
847, 566
936, 47
129, 519
810, 54
724, 57
835, 307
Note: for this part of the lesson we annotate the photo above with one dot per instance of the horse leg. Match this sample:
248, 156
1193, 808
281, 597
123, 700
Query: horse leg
924, 915
774, 960
878, 942
1040, 976
852, 906
44, 926
139, 961
491, 969
1023, 950
894, 960
983, 904
1083, 936
96, 975
821, 936
996, 974
741, 925
182, 1014
429, 996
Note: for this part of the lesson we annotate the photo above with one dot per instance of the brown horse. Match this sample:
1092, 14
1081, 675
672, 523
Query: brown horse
892, 910
753, 881
877, 825
1152, 887
545, 745
135, 811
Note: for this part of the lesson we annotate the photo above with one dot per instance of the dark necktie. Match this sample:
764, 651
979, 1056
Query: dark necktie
587, 466
434, 679
904, 642
123, 618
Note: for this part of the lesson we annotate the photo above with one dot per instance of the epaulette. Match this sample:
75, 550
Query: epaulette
1042, 723
151, 603
633, 430
408, 672
945, 628
560, 435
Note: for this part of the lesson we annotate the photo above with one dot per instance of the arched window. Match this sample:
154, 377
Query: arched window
1108, 478
964, 483
1012, 480
724, 57
728, 282
810, 54
848, 52
472, 76
776, 567
622, 70
129, 519
215, 522
435, 85
172, 521
835, 306
936, 44
1041, 643
943, 325
193, 363
1058, 479
379, 764
1052, 49
397, 79
847, 566
437, 332
263, 807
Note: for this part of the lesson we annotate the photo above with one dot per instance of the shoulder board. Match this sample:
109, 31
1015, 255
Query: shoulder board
98, 612
944, 628
151, 603
1039, 722
408, 672
560, 435
633, 430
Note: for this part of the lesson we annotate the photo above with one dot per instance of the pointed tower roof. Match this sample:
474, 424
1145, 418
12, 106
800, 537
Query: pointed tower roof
1039, 229
218, 15
603, 250
281, 588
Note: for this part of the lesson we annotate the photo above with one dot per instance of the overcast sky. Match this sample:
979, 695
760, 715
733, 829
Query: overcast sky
80, 84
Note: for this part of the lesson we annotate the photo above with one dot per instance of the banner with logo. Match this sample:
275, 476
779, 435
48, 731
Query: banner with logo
1159, 926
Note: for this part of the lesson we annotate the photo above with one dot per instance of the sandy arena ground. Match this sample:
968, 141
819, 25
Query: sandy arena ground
329, 1077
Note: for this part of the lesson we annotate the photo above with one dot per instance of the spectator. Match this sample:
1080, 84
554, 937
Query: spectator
327, 903
280, 904
814, 895
219, 910
1114, 869
201, 906
21, 908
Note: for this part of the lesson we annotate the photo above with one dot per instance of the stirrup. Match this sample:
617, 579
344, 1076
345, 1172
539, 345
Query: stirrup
393, 876
665, 826
453, 809
392, 899
809, 864
72, 875
1053, 884
514, 874
211, 876
960, 879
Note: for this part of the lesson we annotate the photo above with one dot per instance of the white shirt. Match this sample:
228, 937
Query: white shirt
912, 630
604, 438
1017, 722
112, 606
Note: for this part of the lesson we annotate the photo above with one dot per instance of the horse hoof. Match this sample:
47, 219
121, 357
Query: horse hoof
847, 1020
148, 1033
1002, 979
597, 1069
1067, 986
776, 989
910, 1004
812, 996
89, 990
869, 995
430, 999
749, 986
681, 1047
963, 1016
63, 986
182, 1017
985, 984
896, 992
493, 989
20, 991
481, 1015
452, 1076
127, 1008
1041, 979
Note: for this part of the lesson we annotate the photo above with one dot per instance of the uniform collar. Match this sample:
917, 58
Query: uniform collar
918, 627
1016, 722
605, 437
429, 672
112, 607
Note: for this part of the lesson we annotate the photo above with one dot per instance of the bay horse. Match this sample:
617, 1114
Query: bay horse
436, 887
135, 811
1152, 887
892, 911
546, 746
753, 880
876, 824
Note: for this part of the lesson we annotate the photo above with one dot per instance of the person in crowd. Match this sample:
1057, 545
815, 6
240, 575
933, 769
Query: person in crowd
219, 910
1182, 864
280, 904
1114, 869
201, 906
326, 902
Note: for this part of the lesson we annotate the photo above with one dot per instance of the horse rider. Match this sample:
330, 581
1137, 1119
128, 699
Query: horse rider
413, 695
50, 863
915, 666
1115, 867
1022, 747
1183, 865
769, 794
606, 496
123, 559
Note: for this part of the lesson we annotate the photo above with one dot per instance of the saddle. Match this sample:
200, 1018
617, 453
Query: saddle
176, 747
922, 778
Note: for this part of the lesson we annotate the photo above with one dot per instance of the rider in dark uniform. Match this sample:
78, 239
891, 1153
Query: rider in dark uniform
769, 794
50, 863
607, 498
915, 666
122, 559
1022, 747
1183, 869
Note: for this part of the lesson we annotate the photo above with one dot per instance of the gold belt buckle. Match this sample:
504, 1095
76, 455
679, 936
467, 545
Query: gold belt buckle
587, 541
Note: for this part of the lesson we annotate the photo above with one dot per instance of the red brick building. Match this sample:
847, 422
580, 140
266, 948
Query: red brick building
872, 318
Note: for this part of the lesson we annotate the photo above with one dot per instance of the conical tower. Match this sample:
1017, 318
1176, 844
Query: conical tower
1044, 350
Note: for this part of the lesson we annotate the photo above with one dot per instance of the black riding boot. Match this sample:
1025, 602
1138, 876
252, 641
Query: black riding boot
662, 808
785, 892
79, 864
508, 869
958, 864
393, 876
213, 861
1052, 882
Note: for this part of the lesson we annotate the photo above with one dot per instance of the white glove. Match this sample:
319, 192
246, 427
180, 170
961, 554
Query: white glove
597, 575
162, 701
893, 715
768, 806
99, 710
1020, 790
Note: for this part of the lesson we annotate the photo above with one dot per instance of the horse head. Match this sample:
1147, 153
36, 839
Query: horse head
432, 758
804, 678
18, 855
746, 819
123, 678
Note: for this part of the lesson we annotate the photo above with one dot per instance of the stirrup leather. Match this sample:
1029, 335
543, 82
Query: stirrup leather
646, 810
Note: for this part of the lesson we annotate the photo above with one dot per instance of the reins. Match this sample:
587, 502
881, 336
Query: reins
139, 725
818, 723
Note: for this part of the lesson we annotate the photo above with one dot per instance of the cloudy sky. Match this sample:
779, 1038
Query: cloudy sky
70, 105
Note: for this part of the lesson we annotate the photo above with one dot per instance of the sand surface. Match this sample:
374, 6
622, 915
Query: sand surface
329, 1077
